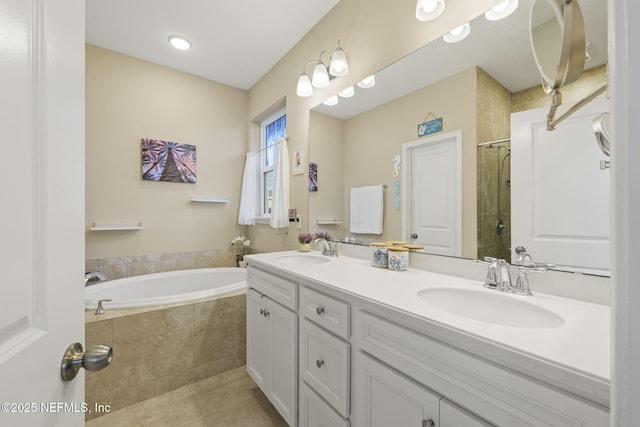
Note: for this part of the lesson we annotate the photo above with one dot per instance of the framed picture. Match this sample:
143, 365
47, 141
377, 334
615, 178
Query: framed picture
298, 161
168, 161
313, 177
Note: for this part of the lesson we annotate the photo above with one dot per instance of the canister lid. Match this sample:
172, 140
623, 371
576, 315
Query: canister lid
397, 242
398, 249
414, 246
381, 244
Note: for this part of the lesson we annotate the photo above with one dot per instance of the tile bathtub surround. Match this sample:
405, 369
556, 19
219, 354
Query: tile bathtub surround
162, 350
127, 266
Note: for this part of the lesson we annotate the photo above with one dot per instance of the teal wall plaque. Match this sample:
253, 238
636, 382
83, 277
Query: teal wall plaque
432, 126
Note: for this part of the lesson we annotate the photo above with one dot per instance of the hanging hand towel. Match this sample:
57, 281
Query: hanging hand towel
280, 201
250, 190
367, 210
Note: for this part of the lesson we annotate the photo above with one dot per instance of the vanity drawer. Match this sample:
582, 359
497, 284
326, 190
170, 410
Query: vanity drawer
275, 287
328, 312
315, 412
324, 365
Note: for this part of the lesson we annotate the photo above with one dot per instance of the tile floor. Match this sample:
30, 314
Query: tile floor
227, 400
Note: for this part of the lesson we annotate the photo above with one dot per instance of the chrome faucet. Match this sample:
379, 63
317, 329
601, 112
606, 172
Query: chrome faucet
498, 276
93, 277
329, 247
526, 265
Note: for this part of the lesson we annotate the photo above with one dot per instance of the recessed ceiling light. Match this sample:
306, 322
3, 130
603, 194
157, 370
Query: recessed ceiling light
367, 82
179, 42
457, 34
501, 10
331, 101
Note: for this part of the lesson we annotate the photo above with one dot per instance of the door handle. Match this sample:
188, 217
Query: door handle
94, 359
414, 236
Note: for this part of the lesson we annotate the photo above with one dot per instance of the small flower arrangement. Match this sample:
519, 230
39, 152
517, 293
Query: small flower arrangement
242, 245
305, 238
322, 235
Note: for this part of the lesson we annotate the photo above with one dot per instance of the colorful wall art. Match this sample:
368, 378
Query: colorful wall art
313, 177
168, 161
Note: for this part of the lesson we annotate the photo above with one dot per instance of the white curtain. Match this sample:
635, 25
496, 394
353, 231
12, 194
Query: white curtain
249, 208
280, 201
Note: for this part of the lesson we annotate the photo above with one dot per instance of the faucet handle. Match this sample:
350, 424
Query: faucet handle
522, 284
99, 307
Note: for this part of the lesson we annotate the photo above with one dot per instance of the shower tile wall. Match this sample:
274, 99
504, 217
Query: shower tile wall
162, 350
127, 266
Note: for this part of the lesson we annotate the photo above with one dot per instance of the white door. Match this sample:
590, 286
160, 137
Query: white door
431, 193
42, 214
560, 198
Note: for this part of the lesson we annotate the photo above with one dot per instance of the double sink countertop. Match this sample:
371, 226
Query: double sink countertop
570, 348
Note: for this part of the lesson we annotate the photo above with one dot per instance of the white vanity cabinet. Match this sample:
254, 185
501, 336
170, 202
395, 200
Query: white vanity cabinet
272, 348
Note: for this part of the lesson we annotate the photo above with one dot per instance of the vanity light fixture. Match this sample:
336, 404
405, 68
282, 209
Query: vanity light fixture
367, 82
322, 72
501, 10
331, 101
457, 34
179, 42
347, 92
428, 10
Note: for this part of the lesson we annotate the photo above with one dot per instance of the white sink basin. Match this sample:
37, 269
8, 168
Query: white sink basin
302, 259
491, 306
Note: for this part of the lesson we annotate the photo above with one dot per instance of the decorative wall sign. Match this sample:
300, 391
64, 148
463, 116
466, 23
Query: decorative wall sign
168, 161
313, 177
396, 193
396, 165
298, 161
431, 126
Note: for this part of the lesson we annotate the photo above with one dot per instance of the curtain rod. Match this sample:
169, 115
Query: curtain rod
262, 149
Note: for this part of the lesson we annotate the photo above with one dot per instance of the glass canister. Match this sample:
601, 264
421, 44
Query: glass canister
379, 254
398, 258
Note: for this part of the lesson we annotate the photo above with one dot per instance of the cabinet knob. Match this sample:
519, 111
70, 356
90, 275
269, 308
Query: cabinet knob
428, 423
319, 363
319, 310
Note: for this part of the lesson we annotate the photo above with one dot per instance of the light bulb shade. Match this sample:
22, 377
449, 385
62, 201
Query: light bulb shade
347, 93
427, 10
367, 82
339, 66
179, 42
501, 10
304, 88
331, 101
457, 34
320, 76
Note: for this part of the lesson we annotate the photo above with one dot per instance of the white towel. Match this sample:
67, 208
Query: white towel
367, 210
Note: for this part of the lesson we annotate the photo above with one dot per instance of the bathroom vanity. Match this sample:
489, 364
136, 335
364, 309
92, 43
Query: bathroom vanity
336, 342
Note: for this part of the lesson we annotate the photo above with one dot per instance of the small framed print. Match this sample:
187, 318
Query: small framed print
298, 161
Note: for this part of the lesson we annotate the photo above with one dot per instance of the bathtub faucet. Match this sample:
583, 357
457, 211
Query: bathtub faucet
93, 277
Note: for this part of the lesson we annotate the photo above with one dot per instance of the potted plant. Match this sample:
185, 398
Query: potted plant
304, 240
241, 246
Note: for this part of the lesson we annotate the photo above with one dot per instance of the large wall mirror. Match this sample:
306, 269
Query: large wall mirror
474, 86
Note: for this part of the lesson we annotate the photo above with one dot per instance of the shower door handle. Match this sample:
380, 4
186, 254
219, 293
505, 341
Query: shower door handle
96, 357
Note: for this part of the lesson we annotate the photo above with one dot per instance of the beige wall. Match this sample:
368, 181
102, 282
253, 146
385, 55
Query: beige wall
374, 34
128, 99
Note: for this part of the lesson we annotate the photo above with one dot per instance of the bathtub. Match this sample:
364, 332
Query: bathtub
165, 288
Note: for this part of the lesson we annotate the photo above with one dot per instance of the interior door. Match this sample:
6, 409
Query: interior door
42, 215
555, 179
432, 192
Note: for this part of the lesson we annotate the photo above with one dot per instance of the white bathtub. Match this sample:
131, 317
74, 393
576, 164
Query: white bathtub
165, 288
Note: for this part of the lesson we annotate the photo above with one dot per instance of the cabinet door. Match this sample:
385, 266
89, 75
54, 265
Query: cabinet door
386, 398
452, 415
282, 337
257, 339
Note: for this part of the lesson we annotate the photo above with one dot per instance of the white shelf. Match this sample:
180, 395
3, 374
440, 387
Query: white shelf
205, 200
328, 222
113, 227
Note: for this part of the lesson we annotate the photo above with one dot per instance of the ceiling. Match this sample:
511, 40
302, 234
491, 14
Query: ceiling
501, 48
234, 42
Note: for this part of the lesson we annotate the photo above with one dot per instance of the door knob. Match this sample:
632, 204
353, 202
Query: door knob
414, 236
94, 359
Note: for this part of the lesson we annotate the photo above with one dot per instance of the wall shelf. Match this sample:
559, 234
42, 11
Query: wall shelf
114, 227
207, 200
328, 222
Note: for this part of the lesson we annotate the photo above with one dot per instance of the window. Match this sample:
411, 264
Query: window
272, 129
